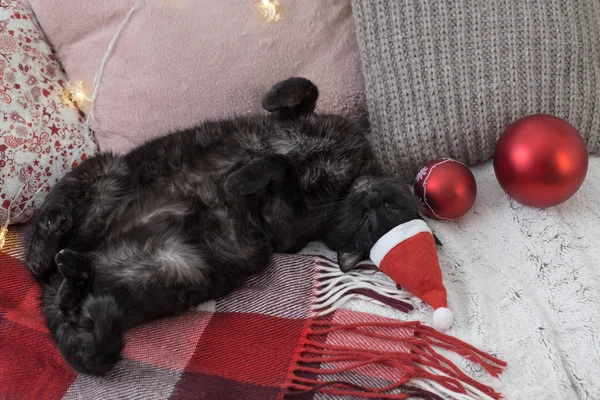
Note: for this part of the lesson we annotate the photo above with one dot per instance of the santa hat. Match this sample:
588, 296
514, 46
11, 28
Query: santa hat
408, 255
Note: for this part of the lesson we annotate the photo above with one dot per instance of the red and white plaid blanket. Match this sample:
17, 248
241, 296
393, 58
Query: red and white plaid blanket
281, 336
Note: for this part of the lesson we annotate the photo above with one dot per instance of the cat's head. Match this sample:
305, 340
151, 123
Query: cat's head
373, 206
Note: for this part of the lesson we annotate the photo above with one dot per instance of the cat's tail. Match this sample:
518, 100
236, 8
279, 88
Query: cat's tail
92, 345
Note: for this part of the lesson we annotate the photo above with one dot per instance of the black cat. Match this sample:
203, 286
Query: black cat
123, 240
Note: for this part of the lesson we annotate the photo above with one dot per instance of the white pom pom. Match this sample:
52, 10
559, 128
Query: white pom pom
442, 319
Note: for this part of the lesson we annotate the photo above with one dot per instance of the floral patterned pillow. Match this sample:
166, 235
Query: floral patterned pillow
41, 132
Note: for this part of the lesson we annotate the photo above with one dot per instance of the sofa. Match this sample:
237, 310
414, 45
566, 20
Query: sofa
431, 79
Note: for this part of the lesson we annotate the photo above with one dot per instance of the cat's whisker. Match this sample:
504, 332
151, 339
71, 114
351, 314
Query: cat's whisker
322, 214
317, 223
330, 205
335, 201
328, 214
329, 208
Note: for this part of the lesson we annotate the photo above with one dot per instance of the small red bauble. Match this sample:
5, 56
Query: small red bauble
541, 160
446, 189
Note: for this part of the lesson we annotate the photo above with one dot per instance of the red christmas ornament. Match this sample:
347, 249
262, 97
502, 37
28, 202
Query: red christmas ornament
446, 189
541, 160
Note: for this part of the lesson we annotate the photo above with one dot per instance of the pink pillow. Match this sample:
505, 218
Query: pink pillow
41, 132
179, 62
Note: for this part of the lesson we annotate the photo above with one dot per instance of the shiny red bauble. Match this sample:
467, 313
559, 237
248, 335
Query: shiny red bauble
541, 160
446, 189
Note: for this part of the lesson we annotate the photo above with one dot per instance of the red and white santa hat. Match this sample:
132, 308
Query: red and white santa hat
408, 255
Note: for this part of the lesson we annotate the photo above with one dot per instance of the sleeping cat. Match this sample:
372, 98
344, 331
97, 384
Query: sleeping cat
123, 240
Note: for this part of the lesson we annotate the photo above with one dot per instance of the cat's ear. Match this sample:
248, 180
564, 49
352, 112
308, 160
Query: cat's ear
347, 261
291, 98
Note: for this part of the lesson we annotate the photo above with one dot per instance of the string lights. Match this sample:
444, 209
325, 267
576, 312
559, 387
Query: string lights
3, 233
76, 94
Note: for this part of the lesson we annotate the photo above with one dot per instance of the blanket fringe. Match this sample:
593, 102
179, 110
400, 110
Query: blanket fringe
340, 352
334, 288
421, 370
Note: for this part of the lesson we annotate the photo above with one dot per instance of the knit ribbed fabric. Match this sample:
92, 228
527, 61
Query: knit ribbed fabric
445, 78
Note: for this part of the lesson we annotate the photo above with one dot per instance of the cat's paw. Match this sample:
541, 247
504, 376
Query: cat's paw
55, 222
236, 185
74, 266
44, 241
39, 268
255, 176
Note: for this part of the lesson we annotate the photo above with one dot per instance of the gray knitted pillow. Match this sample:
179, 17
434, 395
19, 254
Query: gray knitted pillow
445, 78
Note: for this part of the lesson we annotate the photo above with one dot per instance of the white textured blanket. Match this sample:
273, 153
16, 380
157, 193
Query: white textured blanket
524, 284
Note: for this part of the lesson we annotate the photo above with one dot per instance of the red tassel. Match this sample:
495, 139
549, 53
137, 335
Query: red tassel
346, 388
464, 349
419, 361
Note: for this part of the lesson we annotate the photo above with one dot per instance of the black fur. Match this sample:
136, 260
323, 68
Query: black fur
123, 240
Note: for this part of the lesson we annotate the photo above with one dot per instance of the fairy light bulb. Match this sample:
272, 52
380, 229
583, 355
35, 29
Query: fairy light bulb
3, 233
75, 93
269, 10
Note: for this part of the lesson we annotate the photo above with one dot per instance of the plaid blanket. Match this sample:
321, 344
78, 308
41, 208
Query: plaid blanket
283, 335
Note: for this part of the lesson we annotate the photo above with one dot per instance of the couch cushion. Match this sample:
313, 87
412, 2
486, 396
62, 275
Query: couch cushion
178, 62
445, 78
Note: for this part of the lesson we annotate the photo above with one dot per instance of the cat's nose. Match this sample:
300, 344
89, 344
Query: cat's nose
373, 199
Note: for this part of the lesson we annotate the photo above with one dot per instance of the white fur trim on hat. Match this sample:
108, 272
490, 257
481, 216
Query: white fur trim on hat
396, 236
442, 319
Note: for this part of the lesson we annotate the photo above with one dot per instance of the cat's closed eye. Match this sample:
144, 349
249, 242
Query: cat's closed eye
392, 207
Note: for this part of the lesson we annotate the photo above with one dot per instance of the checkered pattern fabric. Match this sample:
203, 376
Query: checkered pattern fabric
261, 342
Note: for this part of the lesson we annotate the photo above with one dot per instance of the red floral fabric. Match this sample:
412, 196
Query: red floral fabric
40, 130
